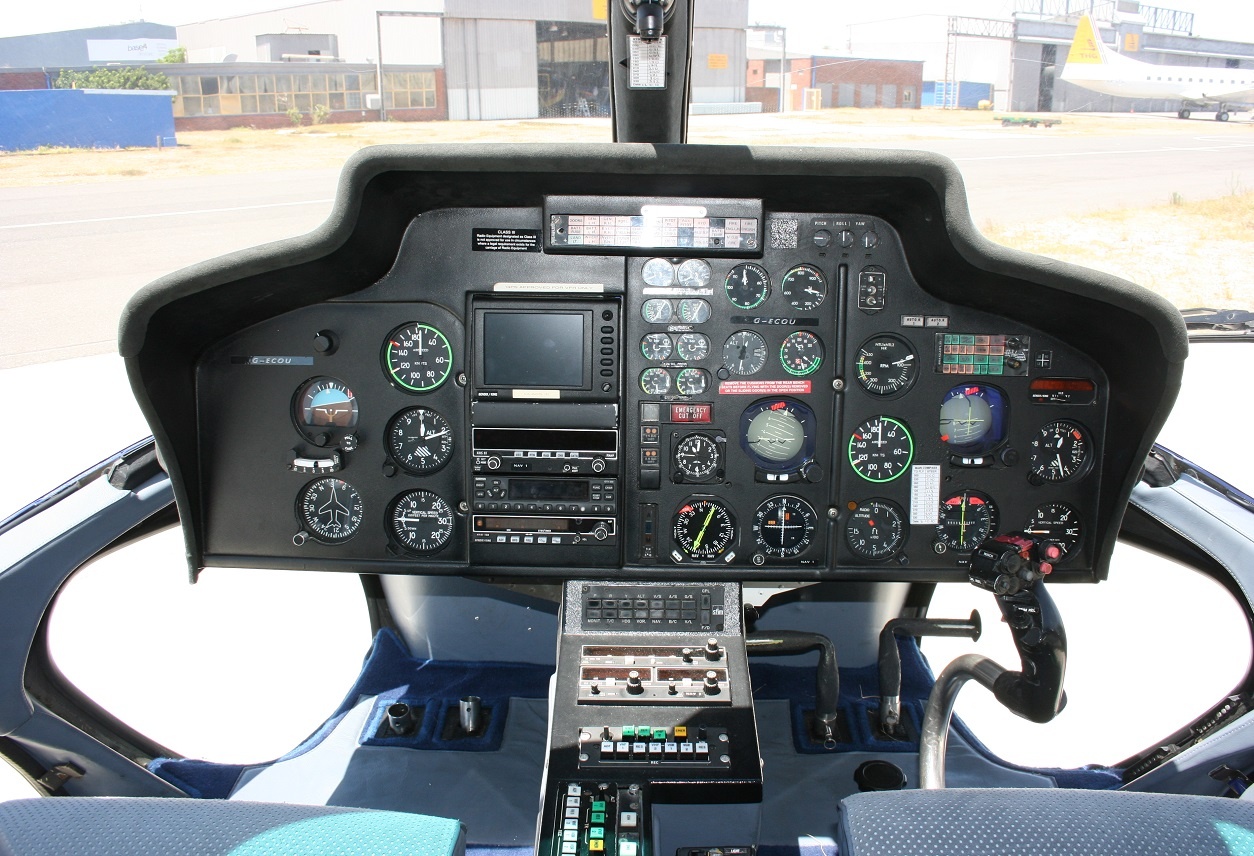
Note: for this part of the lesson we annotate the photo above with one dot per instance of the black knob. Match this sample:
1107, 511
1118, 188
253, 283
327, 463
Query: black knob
822, 238
324, 342
687, 655
846, 238
711, 683
712, 651
633, 683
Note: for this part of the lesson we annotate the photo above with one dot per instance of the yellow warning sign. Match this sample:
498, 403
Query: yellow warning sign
600, 10
716, 61
1131, 42
1084, 49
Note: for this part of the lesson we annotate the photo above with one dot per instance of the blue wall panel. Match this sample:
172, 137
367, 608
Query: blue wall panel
85, 118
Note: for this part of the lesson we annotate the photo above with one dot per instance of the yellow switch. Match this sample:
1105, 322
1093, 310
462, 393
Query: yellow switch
681, 731
596, 844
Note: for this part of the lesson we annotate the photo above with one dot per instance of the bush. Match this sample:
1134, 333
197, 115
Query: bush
295, 117
321, 113
128, 77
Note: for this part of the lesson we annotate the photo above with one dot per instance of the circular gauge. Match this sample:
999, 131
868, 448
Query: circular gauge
694, 310
655, 381
657, 311
973, 418
330, 509
323, 407
1055, 526
697, 457
1060, 451
783, 526
420, 440
693, 346
802, 353
967, 519
875, 529
692, 381
747, 286
656, 346
694, 273
658, 272
744, 353
417, 357
881, 449
804, 287
778, 434
421, 521
703, 529
886, 365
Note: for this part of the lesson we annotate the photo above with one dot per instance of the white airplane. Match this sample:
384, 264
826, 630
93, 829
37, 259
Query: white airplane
1094, 66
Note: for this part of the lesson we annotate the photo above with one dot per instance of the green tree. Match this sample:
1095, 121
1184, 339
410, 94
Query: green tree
178, 54
119, 77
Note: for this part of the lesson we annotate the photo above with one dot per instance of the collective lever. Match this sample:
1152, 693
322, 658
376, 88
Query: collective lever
890, 656
827, 688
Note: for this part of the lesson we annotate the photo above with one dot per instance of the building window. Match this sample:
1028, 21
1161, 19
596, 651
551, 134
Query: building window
245, 94
408, 90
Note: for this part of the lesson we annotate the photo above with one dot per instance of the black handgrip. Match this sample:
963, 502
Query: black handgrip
1036, 692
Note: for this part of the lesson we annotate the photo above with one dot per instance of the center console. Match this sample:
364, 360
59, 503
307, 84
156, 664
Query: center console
652, 712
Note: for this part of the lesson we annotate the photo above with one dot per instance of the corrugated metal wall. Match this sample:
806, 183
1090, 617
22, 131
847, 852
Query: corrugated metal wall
490, 68
718, 66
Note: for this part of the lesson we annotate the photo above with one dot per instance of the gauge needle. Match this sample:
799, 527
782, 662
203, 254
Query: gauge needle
904, 360
704, 526
962, 522
1058, 458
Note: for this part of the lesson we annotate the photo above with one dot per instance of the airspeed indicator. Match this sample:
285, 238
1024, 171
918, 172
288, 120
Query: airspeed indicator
881, 449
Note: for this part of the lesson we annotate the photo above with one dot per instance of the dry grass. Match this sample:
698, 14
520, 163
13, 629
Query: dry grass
243, 150
1192, 253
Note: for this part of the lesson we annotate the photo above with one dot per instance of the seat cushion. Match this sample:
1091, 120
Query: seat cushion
68, 826
1043, 822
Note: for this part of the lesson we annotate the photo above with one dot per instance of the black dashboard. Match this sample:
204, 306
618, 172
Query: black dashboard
649, 364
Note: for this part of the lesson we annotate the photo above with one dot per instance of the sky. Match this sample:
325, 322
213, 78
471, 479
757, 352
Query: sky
813, 24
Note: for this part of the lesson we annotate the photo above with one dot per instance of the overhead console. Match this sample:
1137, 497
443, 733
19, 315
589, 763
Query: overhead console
645, 363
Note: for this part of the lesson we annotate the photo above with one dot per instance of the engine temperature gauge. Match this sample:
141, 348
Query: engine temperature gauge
703, 529
804, 287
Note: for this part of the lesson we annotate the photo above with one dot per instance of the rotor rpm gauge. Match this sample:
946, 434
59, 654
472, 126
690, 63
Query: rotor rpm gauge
421, 521
804, 288
697, 457
324, 407
330, 510
967, 519
875, 529
420, 440
1055, 526
744, 353
747, 286
703, 529
802, 353
783, 526
1060, 451
881, 449
417, 358
886, 365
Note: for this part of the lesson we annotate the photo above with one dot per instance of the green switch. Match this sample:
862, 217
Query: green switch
599, 805
643, 731
596, 832
597, 817
629, 731
659, 734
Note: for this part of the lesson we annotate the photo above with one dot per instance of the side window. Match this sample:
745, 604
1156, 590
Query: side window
1149, 650
238, 668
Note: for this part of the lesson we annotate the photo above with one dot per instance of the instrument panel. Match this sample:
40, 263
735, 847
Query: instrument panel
710, 388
